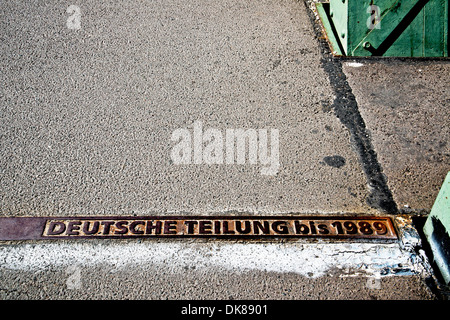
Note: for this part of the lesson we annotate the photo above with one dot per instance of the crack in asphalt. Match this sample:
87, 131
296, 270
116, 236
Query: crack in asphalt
345, 108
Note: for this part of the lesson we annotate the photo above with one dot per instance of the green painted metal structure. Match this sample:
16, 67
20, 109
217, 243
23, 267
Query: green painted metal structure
390, 28
437, 230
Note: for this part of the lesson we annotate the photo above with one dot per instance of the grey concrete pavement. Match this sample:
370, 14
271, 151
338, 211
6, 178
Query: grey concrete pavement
405, 105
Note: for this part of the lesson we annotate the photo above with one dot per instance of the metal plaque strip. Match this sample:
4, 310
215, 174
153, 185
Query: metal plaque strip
27, 228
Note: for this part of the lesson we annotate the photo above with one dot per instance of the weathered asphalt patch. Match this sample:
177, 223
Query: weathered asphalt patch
346, 110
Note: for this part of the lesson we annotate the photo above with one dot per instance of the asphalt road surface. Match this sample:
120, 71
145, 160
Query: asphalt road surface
88, 114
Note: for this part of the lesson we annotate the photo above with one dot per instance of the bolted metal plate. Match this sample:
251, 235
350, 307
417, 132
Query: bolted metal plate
23, 228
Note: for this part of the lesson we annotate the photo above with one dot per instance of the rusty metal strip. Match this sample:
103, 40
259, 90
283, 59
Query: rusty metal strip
27, 228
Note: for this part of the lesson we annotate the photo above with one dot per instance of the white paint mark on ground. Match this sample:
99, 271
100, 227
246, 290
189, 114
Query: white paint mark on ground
309, 260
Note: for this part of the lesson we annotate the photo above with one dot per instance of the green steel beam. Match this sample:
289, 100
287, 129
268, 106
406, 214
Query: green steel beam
323, 10
437, 230
402, 28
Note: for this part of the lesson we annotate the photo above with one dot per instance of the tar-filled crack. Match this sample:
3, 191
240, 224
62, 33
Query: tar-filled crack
346, 109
